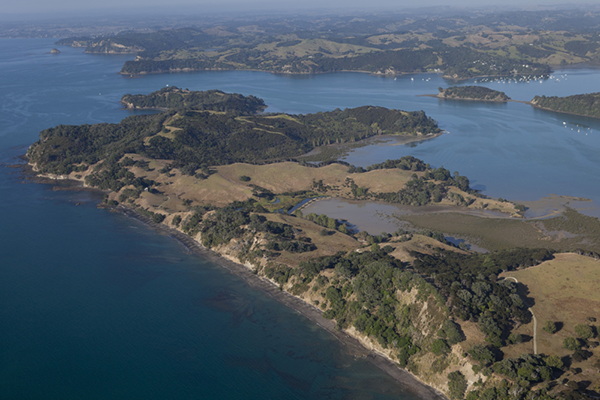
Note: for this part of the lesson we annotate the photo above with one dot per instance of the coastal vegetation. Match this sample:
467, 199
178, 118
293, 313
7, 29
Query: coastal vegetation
580, 104
214, 100
460, 46
472, 93
194, 140
229, 178
460, 63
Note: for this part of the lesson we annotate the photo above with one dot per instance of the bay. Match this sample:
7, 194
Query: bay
96, 305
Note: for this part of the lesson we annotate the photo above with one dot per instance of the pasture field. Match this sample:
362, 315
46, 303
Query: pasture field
564, 290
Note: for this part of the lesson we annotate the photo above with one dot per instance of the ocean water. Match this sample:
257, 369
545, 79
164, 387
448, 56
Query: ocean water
96, 305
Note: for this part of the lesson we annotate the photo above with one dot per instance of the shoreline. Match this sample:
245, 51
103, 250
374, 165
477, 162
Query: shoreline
405, 378
463, 99
556, 111
353, 345
343, 149
373, 73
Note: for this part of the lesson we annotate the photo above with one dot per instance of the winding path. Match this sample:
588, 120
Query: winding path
534, 319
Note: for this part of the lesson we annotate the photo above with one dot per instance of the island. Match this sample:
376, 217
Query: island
587, 105
232, 179
473, 93
172, 97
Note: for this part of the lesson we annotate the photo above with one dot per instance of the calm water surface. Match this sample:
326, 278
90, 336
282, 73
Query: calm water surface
95, 305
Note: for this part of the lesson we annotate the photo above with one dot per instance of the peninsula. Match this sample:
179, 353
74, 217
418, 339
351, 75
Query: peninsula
231, 180
587, 105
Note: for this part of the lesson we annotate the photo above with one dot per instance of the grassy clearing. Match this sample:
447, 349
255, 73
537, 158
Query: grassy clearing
225, 186
326, 245
420, 243
309, 47
283, 116
291, 177
564, 290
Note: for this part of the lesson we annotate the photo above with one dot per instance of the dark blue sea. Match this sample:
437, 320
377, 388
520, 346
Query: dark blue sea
95, 305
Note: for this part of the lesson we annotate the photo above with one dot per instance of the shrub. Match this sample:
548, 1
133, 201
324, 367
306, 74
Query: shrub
550, 327
452, 332
571, 343
482, 354
554, 362
439, 346
584, 331
245, 178
457, 384
176, 220
515, 338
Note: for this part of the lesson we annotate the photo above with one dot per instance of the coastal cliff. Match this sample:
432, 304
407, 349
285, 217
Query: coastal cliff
220, 180
247, 250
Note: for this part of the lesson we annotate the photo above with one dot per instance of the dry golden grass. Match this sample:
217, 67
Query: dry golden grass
567, 290
383, 180
326, 245
487, 204
282, 116
472, 333
312, 46
291, 177
420, 243
283, 177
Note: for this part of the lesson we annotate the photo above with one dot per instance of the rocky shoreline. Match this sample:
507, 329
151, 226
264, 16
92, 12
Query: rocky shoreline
354, 346
408, 380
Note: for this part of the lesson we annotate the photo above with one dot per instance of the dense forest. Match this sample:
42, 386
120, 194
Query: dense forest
581, 104
176, 98
473, 93
192, 139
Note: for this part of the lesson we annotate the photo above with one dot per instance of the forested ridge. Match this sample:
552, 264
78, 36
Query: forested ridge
192, 138
175, 98
581, 104
472, 93
458, 63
